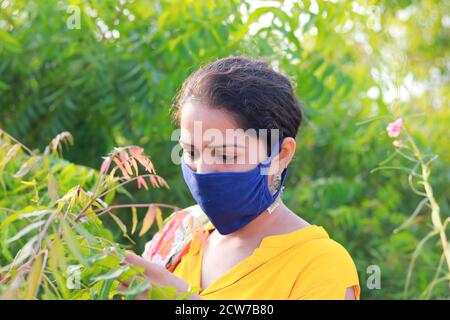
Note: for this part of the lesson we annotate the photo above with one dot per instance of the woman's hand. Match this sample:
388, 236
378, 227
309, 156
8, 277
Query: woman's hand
158, 275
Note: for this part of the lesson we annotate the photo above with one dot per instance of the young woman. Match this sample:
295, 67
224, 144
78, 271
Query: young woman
240, 241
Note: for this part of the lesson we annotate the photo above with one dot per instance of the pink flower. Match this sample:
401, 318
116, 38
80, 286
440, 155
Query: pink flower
394, 128
397, 143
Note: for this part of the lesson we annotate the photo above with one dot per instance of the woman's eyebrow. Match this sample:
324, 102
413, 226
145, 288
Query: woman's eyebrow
226, 145
215, 146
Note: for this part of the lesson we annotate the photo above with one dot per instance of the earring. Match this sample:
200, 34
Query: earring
276, 183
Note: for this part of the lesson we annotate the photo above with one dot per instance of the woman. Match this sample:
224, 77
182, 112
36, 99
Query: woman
240, 241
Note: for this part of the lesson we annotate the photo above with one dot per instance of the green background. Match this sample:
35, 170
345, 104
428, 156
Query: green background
111, 82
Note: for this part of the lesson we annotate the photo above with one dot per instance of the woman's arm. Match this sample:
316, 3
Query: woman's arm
350, 294
159, 275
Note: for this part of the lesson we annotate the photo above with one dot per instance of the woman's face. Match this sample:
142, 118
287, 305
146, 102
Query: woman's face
212, 141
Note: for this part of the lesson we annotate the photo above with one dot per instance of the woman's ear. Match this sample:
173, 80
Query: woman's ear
284, 157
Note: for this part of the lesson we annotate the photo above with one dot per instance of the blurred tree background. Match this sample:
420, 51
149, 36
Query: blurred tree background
357, 66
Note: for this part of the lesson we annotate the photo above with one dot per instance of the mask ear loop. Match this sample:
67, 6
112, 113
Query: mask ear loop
273, 153
265, 164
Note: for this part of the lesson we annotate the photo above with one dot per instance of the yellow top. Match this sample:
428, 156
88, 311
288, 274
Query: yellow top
304, 264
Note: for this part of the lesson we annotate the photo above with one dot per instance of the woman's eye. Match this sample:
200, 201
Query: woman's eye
226, 157
190, 153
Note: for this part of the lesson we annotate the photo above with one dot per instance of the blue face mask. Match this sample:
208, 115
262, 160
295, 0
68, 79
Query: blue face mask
232, 199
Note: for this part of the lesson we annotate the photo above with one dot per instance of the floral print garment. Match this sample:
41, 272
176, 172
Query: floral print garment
169, 244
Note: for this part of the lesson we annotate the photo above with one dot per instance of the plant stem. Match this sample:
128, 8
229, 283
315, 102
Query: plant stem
18, 142
435, 209
139, 205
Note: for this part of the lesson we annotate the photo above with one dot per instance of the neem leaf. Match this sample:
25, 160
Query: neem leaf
135, 219
111, 275
148, 220
72, 243
35, 276
26, 230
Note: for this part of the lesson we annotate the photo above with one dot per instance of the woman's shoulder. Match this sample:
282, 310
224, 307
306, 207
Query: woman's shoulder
310, 251
327, 265
322, 250
171, 242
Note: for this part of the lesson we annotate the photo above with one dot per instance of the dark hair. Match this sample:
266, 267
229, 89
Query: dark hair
256, 95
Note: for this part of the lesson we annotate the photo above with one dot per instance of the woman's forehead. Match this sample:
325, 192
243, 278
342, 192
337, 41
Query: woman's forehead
202, 126
218, 118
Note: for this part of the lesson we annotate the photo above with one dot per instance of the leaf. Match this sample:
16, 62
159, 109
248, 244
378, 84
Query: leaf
159, 218
55, 144
122, 226
83, 232
111, 275
23, 254
8, 220
33, 184
184, 295
35, 213
136, 288
124, 159
412, 216
72, 243
119, 222
148, 220
135, 166
12, 152
154, 182
135, 219
162, 293
121, 167
35, 276
162, 182
52, 186
138, 154
141, 182
98, 257
26, 167
105, 165
56, 257
106, 289
26, 230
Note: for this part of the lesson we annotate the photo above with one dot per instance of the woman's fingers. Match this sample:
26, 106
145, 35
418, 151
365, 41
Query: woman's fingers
157, 274
153, 271
132, 258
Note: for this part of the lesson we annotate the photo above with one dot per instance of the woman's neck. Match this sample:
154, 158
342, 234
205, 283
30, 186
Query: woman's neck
262, 225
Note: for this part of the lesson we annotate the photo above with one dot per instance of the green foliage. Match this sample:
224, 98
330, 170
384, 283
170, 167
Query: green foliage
354, 62
54, 245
